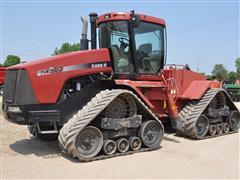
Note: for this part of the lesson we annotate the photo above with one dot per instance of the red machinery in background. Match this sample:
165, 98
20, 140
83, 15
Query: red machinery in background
113, 100
2, 77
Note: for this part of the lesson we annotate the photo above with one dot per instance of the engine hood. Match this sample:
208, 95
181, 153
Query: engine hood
72, 58
47, 76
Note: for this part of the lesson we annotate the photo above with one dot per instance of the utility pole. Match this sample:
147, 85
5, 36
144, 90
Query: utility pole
197, 64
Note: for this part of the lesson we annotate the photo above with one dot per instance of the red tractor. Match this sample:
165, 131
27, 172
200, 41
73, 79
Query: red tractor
113, 100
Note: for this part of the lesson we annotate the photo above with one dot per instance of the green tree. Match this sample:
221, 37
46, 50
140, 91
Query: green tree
210, 77
66, 47
219, 72
237, 65
11, 60
232, 76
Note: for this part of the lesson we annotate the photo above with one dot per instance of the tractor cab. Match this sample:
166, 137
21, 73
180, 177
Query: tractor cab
137, 43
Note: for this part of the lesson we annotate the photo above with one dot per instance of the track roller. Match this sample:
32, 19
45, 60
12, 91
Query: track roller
219, 129
109, 147
135, 143
226, 127
212, 130
122, 145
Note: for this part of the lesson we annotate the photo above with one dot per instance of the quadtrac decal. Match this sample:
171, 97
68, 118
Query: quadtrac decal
56, 69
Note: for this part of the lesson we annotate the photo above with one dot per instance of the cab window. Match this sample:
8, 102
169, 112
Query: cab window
149, 42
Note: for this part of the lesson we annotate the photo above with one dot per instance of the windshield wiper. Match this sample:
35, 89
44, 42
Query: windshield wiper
108, 27
156, 35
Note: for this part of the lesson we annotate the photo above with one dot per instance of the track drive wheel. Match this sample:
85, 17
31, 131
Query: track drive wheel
234, 120
44, 137
88, 142
151, 133
122, 107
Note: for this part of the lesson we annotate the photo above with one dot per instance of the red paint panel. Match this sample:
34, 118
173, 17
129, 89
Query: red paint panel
116, 16
47, 88
183, 78
197, 89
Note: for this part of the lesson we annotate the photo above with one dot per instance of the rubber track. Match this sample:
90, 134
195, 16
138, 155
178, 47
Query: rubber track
101, 157
191, 112
87, 114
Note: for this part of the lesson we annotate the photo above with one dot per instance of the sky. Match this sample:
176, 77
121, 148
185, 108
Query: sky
200, 33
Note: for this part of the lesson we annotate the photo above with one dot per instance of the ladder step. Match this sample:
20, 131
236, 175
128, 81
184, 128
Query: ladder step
49, 132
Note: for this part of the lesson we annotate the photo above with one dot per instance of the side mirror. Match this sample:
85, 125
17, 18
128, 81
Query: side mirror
136, 20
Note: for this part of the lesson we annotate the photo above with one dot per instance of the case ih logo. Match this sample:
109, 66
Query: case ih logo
97, 65
50, 70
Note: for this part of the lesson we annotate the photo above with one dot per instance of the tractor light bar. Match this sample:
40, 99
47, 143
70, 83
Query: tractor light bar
14, 109
107, 16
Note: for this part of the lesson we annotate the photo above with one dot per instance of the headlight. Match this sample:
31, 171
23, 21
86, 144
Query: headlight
14, 109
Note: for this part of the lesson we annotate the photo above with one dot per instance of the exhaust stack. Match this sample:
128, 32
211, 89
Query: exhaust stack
84, 40
93, 18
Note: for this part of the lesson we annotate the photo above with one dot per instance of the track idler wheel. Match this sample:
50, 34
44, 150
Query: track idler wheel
122, 145
226, 127
219, 129
109, 147
234, 120
201, 126
88, 143
212, 130
151, 133
135, 143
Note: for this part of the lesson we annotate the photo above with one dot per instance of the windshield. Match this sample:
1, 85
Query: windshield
114, 35
148, 46
149, 42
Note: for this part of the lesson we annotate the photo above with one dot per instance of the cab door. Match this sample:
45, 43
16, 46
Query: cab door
149, 48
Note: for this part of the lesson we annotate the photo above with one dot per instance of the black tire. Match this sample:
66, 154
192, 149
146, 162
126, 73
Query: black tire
44, 137
151, 133
234, 120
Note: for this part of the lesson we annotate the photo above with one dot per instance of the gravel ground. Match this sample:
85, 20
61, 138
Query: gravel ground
23, 156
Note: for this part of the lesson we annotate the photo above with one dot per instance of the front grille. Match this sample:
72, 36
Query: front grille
18, 88
10, 86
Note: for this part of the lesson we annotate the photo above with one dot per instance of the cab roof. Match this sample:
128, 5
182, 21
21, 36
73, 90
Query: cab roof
117, 16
